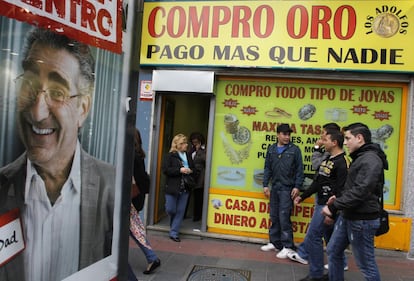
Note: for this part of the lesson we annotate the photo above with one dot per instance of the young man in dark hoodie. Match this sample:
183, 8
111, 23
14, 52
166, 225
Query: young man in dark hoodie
358, 206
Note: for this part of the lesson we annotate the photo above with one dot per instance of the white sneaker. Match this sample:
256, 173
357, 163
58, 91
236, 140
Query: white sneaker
327, 267
294, 256
268, 247
283, 254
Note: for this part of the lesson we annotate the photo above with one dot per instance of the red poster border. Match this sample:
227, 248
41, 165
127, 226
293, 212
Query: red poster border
9, 216
6, 218
12, 11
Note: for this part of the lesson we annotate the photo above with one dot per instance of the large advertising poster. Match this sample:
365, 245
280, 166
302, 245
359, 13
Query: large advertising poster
59, 143
97, 23
247, 114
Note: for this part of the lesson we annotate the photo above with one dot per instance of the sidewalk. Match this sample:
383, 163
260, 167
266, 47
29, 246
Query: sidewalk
178, 260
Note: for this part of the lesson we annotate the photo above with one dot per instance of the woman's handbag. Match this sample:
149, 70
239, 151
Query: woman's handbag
134, 189
188, 181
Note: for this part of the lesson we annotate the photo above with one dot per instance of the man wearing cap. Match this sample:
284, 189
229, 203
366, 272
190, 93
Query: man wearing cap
284, 168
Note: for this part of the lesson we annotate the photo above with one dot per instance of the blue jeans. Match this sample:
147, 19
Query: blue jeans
149, 254
281, 232
327, 236
360, 234
311, 249
175, 208
314, 243
302, 252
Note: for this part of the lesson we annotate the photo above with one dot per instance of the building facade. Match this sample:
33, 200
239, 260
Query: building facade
234, 70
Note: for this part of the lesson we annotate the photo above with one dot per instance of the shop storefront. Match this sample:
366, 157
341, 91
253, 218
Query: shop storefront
256, 64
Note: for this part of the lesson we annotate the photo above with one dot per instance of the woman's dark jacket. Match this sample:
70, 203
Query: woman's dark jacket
142, 180
171, 168
200, 167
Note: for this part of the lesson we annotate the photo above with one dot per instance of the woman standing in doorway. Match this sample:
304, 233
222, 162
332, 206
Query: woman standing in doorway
198, 153
176, 165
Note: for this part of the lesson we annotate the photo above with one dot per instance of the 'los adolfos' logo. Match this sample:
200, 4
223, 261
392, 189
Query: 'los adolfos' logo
387, 22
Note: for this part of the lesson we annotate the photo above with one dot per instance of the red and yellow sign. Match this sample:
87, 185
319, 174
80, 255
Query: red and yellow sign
244, 216
248, 112
358, 35
94, 22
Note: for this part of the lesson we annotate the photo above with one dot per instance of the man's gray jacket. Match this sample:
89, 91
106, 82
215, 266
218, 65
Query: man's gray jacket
97, 204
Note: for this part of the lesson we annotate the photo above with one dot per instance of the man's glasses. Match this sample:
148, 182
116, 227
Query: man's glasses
30, 89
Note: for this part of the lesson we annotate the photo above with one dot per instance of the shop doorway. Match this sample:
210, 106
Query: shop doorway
178, 113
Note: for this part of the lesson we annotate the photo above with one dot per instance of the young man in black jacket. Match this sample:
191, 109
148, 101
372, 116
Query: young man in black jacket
358, 205
330, 179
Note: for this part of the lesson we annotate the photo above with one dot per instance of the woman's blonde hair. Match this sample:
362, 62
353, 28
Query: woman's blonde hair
176, 141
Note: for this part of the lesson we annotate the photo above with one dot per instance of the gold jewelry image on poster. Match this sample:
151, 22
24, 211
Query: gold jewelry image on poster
278, 113
255, 113
239, 149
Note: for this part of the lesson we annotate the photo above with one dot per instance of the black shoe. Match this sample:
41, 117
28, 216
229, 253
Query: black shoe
152, 266
175, 239
308, 278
